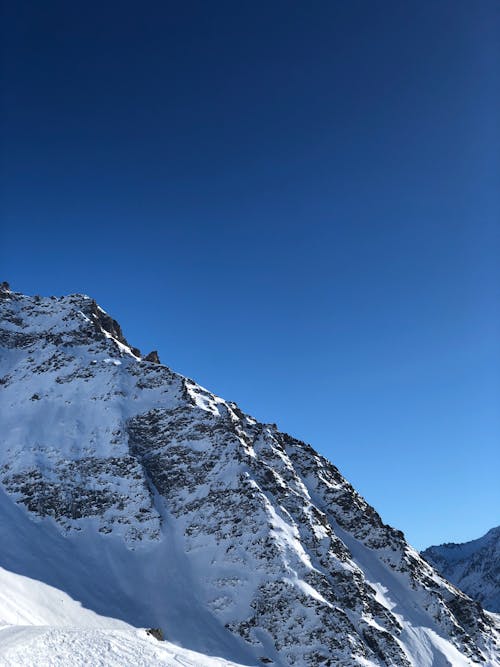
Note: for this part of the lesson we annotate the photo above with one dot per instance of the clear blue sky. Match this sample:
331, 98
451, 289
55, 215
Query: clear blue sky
296, 203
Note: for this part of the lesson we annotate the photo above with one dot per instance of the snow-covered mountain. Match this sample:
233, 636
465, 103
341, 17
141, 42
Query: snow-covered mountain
472, 566
149, 500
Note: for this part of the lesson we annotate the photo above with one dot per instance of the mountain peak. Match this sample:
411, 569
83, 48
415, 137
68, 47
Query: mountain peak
173, 509
472, 566
4, 289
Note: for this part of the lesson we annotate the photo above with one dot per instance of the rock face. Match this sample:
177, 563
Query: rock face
153, 356
190, 514
472, 566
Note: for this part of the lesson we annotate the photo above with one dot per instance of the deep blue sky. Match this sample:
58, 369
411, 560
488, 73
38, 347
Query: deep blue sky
297, 204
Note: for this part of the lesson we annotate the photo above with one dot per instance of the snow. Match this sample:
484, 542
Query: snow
421, 638
41, 625
202, 524
25, 646
472, 566
121, 347
102, 578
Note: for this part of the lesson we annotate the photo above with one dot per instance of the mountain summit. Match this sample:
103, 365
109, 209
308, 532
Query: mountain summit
473, 566
149, 499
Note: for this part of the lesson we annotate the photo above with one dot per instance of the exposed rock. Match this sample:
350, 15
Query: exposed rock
153, 357
106, 323
284, 555
472, 566
157, 633
4, 290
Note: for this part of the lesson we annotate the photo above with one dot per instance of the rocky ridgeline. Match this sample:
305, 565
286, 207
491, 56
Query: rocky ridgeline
473, 566
290, 559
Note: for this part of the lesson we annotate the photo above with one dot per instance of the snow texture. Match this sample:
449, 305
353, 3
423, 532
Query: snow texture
140, 496
472, 566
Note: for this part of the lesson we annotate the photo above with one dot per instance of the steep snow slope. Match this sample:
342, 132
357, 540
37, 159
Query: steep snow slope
147, 498
472, 566
25, 602
40, 625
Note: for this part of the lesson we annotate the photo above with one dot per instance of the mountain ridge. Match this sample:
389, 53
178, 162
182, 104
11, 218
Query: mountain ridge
237, 539
473, 566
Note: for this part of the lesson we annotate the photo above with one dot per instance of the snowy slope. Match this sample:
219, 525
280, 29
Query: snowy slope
60, 647
150, 500
40, 625
472, 566
26, 602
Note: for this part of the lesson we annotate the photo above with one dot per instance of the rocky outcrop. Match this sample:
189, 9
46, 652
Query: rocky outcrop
153, 357
107, 324
283, 553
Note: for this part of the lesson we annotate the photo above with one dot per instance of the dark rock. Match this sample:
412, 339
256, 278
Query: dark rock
4, 290
249, 497
157, 633
153, 357
104, 321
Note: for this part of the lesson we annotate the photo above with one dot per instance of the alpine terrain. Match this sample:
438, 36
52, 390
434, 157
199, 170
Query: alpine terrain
133, 498
472, 566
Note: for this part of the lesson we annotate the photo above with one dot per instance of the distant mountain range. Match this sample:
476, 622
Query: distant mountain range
140, 496
472, 566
